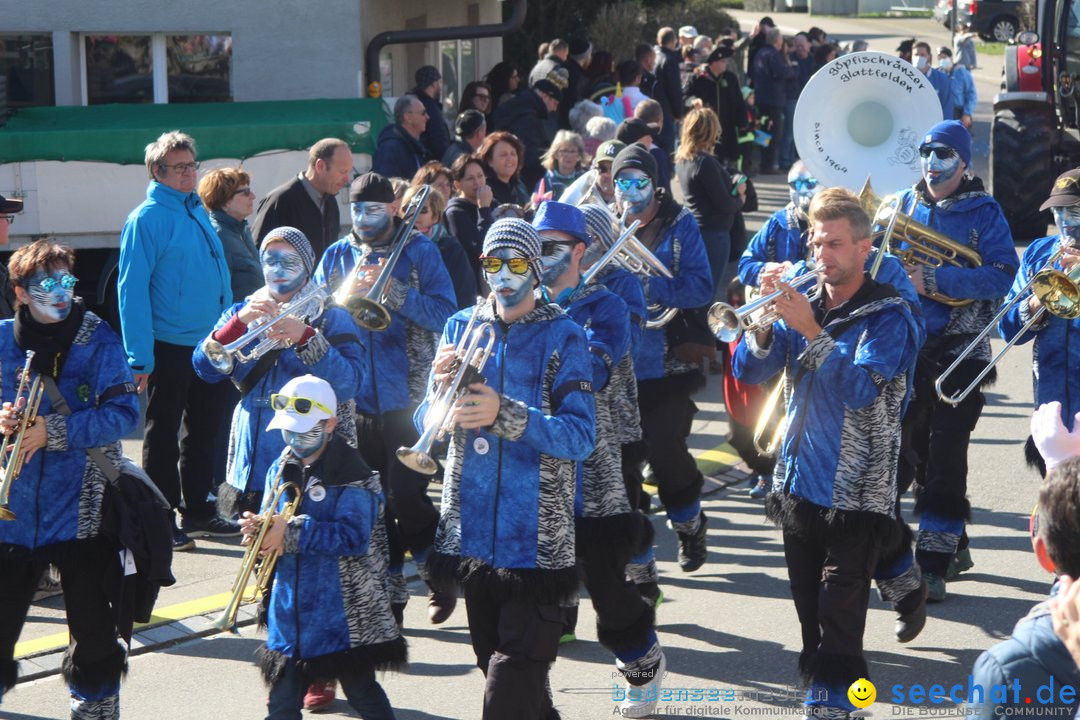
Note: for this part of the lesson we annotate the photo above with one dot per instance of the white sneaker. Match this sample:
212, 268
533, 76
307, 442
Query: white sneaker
641, 700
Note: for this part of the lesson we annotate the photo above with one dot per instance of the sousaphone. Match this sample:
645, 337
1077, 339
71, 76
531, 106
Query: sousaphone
863, 115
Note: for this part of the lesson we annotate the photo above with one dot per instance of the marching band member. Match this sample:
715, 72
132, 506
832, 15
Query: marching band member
420, 298
86, 360
329, 616
1054, 374
325, 345
848, 356
781, 241
506, 529
666, 381
609, 529
954, 203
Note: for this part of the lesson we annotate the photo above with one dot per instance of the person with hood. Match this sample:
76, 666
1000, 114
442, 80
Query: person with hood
524, 116
714, 87
55, 508
506, 528
953, 202
419, 299
848, 356
399, 152
428, 90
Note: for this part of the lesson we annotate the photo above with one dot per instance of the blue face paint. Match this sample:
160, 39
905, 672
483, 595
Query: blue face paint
802, 187
634, 198
51, 294
1067, 220
557, 262
510, 288
283, 270
370, 220
305, 444
936, 170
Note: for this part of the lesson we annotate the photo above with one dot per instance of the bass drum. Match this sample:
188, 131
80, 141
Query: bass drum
863, 115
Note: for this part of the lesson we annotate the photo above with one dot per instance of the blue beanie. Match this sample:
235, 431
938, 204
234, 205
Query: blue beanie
562, 217
955, 135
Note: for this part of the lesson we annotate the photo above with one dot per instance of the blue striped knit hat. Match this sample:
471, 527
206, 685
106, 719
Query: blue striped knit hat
599, 223
518, 235
299, 242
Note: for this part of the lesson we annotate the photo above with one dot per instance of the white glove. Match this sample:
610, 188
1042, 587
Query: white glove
1055, 443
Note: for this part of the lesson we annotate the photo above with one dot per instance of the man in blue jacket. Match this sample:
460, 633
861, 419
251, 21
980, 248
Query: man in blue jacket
958, 300
848, 356
174, 284
770, 73
781, 241
399, 152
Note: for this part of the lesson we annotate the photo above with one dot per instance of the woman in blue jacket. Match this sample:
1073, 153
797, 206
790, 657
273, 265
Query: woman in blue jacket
57, 499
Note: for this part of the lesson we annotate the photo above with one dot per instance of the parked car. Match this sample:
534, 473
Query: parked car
993, 20
943, 12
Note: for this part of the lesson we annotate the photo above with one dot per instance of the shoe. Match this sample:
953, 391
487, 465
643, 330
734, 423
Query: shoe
961, 562
693, 549
646, 694
935, 587
762, 488
49, 585
567, 638
214, 526
180, 541
319, 696
440, 606
651, 593
911, 621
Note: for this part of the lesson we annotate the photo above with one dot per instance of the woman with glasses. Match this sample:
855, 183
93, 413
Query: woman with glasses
476, 96
564, 162
229, 199
57, 499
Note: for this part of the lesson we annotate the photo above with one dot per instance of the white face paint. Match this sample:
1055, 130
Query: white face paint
633, 190
51, 294
1067, 220
802, 186
370, 220
510, 288
283, 270
937, 170
555, 257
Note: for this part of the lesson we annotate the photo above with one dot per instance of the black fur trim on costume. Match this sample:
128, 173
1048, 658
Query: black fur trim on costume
442, 571
805, 519
905, 540
617, 536
687, 496
231, 502
834, 669
1034, 457
392, 655
943, 502
546, 587
9, 674
806, 660
632, 636
91, 677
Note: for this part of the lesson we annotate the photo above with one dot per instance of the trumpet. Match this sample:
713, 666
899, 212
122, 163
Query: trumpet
1059, 294
28, 414
369, 310
634, 257
251, 565
619, 253
308, 303
473, 350
728, 323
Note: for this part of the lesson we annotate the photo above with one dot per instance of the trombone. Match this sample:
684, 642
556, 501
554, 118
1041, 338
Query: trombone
1059, 294
473, 350
728, 323
27, 415
308, 303
263, 571
369, 310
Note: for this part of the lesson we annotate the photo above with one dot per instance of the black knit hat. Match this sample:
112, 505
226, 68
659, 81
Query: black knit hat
426, 76
631, 130
635, 156
468, 123
371, 187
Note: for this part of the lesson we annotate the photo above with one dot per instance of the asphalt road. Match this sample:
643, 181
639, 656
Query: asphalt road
729, 627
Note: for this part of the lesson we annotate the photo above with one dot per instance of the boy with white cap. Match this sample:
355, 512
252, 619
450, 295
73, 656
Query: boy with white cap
332, 563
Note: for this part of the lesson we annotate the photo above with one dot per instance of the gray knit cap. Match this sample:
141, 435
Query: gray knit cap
599, 223
517, 235
299, 242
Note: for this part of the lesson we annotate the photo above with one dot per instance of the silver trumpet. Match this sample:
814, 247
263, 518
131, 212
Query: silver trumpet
473, 350
728, 323
307, 304
619, 252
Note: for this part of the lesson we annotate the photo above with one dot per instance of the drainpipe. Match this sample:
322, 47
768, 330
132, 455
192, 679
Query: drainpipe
396, 37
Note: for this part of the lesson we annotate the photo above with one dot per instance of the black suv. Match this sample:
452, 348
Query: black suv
993, 20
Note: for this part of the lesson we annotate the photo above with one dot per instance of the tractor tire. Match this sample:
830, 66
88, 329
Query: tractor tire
1022, 168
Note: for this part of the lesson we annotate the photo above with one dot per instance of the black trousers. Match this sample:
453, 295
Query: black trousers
411, 517
667, 413
515, 642
771, 153
182, 469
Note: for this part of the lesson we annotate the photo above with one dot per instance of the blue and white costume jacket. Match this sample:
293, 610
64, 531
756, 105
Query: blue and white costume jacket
624, 396
781, 239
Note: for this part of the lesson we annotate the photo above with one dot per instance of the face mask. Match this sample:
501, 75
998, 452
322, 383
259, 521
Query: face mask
946, 169
921, 62
510, 288
801, 188
635, 198
51, 294
945, 64
1068, 222
283, 270
305, 444
557, 263
370, 220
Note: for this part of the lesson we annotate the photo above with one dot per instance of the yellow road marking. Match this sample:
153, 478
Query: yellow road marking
709, 462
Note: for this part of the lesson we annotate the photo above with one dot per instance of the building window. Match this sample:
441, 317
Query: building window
157, 68
458, 67
26, 71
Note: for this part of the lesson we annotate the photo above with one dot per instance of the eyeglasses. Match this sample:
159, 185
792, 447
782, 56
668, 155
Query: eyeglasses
800, 184
547, 249
244, 191
9, 219
418, 112
301, 405
625, 184
482, 96
492, 265
568, 151
942, 152
49, 284
181, 167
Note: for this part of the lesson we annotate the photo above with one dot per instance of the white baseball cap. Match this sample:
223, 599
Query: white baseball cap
688, 31
302, 403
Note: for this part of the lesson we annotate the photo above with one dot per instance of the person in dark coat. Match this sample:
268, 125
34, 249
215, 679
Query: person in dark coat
399, 152
8, 208
714, 87
645, 56
524, 116
770, 72
436, 136
468, 215
471, 128
668, 89
577, 62
429, 222
307, 202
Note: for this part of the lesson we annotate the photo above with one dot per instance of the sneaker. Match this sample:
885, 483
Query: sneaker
567, 638
693, 549
319, 696
651, 593
214, 526
935, 587
911, 614
760, 490
49, 585
961, 562
646, 694
180, 541
440, 606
